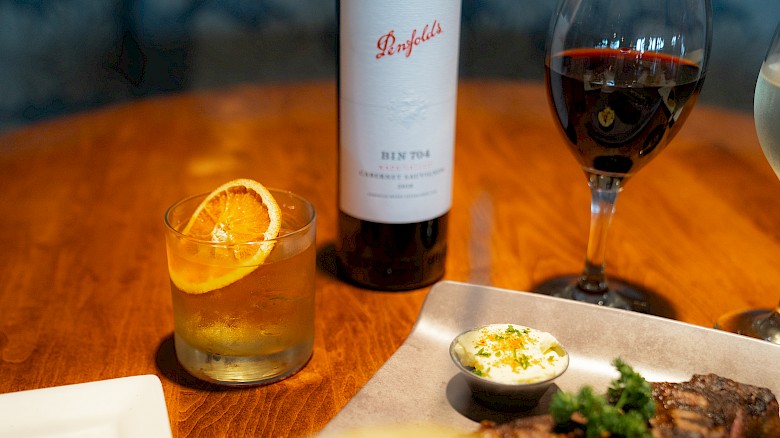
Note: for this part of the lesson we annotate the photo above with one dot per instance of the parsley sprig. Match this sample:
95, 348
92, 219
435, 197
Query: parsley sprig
623, 412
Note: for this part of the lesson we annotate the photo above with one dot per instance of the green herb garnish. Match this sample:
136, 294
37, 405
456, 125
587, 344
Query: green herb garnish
481, 373
623, 412
523, 360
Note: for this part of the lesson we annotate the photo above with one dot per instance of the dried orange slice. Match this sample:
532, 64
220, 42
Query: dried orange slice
240, 219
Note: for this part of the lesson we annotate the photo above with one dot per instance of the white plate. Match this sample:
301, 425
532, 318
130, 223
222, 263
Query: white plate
125, 407
420, 384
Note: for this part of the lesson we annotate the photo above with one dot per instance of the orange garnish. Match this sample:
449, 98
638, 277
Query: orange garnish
243, 218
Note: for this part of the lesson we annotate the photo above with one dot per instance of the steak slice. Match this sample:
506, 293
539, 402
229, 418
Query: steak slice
707, 406
712, 406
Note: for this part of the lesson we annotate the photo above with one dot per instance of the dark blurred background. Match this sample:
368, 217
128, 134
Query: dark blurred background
61, 56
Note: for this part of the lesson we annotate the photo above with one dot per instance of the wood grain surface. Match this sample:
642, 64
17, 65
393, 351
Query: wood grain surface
84, 292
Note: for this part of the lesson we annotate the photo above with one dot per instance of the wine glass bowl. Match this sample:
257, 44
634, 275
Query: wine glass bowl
763, 323
621, 78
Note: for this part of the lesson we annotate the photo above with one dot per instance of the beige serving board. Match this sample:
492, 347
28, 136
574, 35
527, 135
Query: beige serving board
420, 384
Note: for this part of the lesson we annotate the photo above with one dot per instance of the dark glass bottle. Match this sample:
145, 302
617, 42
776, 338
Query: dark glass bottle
398, 62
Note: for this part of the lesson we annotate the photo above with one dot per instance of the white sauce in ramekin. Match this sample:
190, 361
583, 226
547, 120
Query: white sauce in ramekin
511, 353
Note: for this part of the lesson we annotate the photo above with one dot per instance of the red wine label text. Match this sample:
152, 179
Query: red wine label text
388, 46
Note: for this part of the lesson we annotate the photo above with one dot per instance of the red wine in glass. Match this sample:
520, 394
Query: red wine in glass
621, 79
618, 107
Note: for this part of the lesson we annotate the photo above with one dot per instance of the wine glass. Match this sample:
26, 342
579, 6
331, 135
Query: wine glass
621, 77
763, 323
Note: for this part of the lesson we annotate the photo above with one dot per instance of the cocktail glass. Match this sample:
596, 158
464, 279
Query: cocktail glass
259, 328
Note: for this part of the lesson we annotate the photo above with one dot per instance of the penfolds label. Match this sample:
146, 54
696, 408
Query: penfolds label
388, 46
398, 67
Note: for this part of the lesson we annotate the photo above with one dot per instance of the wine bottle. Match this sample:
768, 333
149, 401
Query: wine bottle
398, 72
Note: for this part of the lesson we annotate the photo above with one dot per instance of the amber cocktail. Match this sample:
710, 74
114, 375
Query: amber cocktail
243, 305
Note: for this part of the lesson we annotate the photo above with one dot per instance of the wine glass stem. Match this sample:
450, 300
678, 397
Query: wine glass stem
604, 190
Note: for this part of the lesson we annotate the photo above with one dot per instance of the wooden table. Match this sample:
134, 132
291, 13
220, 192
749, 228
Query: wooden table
84, 291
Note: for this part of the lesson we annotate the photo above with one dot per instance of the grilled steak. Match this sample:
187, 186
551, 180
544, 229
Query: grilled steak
707, 406
713, 406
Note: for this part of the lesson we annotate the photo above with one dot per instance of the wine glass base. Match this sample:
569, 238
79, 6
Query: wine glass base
620, 294
757, 323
